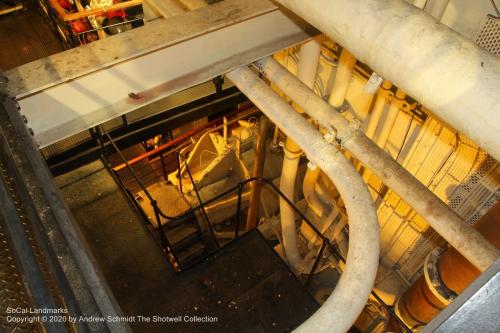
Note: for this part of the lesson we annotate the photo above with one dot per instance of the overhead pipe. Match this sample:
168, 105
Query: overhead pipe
470, 243
258, 171
344, 305
307, 73
307, 67
452, 76
338, 93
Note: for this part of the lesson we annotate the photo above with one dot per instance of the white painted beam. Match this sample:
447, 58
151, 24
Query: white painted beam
74, 105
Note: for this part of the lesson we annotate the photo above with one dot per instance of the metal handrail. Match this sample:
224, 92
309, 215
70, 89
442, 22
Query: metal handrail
239, 188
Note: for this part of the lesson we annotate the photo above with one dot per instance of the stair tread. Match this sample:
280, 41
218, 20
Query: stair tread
180, 233
190, 252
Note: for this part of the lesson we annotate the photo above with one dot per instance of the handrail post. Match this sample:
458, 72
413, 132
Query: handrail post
163, 168
316, 262
100, 139
238, 210
179, 171
163, 239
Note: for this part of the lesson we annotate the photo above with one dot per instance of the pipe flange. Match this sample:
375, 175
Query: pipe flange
433, 279
401, 317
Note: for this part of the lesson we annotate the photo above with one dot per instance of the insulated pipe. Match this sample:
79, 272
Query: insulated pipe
308, 62
470, 243
343, 78
287, 185
310, 194
258, 170
344, 305
307, 67
390, 120
378, 110
446, 72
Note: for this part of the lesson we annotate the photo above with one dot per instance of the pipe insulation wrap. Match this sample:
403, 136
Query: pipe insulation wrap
307, 67
287, 214
449, 74
348, 299
468, 241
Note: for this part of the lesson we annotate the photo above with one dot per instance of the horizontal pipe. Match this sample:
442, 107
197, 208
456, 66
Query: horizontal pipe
447, 73
470, 243
348, 299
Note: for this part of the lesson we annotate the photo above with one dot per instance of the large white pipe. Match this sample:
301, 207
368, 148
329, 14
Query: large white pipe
449, 74
349, 298
467, 240
307, 67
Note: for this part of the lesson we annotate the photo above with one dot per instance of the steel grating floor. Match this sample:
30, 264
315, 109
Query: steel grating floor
25, 36
245, 284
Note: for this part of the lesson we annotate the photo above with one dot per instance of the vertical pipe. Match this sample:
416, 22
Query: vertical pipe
310, 194
258, 170
378, 110
308, 65
388, 124
287, 186
419, 3
343, 78
308, 62
437, 8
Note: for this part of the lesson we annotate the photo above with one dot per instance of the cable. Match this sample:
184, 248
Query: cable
496, 8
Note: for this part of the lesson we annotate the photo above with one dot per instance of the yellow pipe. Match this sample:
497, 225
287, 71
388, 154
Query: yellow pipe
378, 110
343, 78
390, 120
308, 65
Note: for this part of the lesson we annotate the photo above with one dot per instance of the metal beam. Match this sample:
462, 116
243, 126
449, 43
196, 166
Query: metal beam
57, 107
